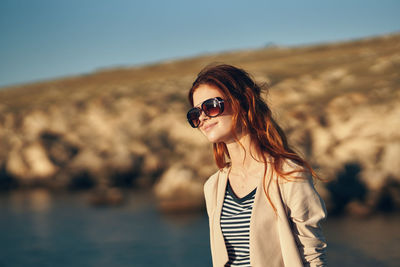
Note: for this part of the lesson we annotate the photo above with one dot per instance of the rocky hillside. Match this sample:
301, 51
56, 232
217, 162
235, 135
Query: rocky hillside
339, 103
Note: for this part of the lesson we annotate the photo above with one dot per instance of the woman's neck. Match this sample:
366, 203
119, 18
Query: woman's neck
244, 157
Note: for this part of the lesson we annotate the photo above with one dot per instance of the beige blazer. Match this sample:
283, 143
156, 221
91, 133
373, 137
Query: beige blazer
290, 237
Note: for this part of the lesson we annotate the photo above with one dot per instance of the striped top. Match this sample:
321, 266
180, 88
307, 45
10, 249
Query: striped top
235, 226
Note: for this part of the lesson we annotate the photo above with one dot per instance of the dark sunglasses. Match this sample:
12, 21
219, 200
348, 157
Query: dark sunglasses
211, 107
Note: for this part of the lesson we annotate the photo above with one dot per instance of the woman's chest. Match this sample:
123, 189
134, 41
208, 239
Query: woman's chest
242, 187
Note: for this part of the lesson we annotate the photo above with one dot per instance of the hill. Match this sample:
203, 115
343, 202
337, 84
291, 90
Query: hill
339, 104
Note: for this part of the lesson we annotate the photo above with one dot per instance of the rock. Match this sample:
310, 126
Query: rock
30, 163
34, 123
178, 190
390, 161
333, 75
15, 165
106, 197
59, 150
86, 159
388, 198
358, 209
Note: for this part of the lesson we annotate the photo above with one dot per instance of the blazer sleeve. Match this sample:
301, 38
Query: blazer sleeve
305, 210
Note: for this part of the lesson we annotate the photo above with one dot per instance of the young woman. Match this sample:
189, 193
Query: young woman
262, 206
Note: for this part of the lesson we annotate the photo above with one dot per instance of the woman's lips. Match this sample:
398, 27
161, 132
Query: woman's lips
207, 127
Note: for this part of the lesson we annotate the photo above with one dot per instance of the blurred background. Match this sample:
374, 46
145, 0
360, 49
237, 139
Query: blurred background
98, 166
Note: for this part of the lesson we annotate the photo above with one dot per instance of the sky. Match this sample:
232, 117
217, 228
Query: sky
47, 39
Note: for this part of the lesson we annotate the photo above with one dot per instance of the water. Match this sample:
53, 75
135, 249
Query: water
366, 242
40, 229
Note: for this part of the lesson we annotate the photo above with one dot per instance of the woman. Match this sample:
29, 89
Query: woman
262, 206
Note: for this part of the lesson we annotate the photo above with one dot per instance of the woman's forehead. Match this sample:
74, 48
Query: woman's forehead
204, 92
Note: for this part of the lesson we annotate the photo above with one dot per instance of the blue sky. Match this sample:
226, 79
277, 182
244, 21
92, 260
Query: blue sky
45, 39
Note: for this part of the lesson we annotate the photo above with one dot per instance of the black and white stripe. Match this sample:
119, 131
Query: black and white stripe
235, 226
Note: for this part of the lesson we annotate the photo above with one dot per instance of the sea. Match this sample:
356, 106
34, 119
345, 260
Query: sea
42, 228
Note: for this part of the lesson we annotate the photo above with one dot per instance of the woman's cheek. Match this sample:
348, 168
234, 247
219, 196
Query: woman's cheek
220, 133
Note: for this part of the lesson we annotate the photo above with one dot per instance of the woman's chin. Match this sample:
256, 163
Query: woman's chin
217, 139
212, 138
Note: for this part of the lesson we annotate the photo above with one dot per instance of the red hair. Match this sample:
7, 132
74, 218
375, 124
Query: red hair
251, 114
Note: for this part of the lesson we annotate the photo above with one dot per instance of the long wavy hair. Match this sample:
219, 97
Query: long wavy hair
252, 115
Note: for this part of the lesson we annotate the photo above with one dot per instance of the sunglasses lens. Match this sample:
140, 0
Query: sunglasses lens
193, 117
212, 107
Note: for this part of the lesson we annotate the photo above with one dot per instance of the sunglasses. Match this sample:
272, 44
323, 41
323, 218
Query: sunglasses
211, 107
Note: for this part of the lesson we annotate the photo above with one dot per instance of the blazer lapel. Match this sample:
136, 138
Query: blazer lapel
219, 238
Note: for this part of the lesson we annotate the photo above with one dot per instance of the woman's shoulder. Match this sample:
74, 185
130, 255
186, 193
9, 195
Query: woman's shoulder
292, 172
299, 187
291, 166
297, 180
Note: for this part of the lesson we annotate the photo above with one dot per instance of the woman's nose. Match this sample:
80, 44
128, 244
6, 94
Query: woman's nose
203, 116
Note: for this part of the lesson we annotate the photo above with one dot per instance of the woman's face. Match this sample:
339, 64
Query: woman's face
216, 129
